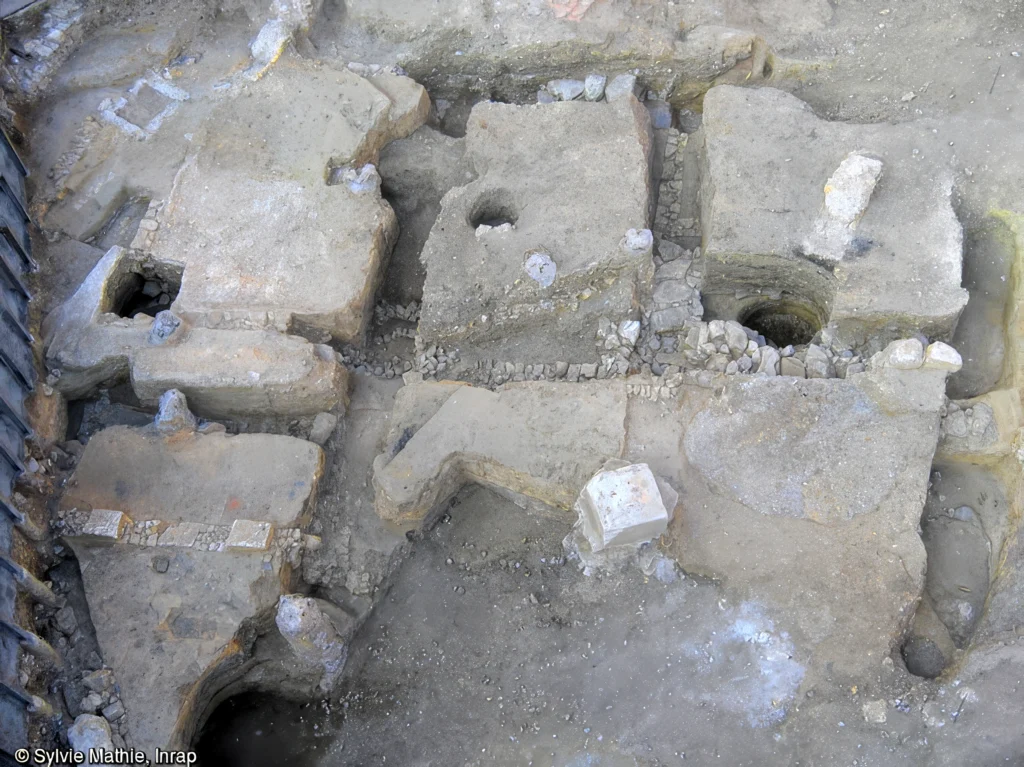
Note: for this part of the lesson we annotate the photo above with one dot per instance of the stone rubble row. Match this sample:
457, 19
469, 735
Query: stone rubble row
240, 536
58, 35
102, 706
594, 88
670, 218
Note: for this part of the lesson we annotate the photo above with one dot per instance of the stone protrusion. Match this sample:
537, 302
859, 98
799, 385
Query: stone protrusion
249, 535
317, 632
174, 415
942, 356
906, 354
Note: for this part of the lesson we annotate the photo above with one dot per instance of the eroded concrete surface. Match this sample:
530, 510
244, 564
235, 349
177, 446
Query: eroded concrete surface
341, 306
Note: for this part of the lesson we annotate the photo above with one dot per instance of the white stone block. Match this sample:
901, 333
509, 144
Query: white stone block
624, 506
249, 535
181, 535
940, 356
90, 733
106, 523
907, 354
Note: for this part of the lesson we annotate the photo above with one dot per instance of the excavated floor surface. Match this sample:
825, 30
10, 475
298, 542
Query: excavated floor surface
479, 641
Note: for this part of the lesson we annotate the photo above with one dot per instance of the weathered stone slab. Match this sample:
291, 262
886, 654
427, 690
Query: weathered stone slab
182, 535
261, 234
255, 247
249, 535
262, 239
821, 449
174, 638
569, 180
106, 524
766, 164
804, 498
237, 372
539, 439
202, 478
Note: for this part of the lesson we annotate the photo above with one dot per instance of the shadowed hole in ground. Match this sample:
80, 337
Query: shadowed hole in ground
783, 322
494, 208
259, 728
148, 293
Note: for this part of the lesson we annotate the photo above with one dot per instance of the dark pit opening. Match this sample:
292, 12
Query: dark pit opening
146, 294
494, 209
784, 323
253, 729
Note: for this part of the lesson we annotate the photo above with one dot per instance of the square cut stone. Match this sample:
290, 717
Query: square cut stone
249, 535
106, 523
623, 506
183, 535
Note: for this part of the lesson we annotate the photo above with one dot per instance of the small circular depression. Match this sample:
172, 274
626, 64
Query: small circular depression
494, 209
923, 658
784, 323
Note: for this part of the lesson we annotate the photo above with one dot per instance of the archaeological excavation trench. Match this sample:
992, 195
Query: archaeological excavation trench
564, 383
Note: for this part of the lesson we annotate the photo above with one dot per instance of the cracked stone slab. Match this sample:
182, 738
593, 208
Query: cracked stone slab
538, 439
767, 160
524, 260
211, 478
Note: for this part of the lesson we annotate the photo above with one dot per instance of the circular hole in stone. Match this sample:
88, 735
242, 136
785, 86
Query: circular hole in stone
783, 322
494, 208
923, 657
